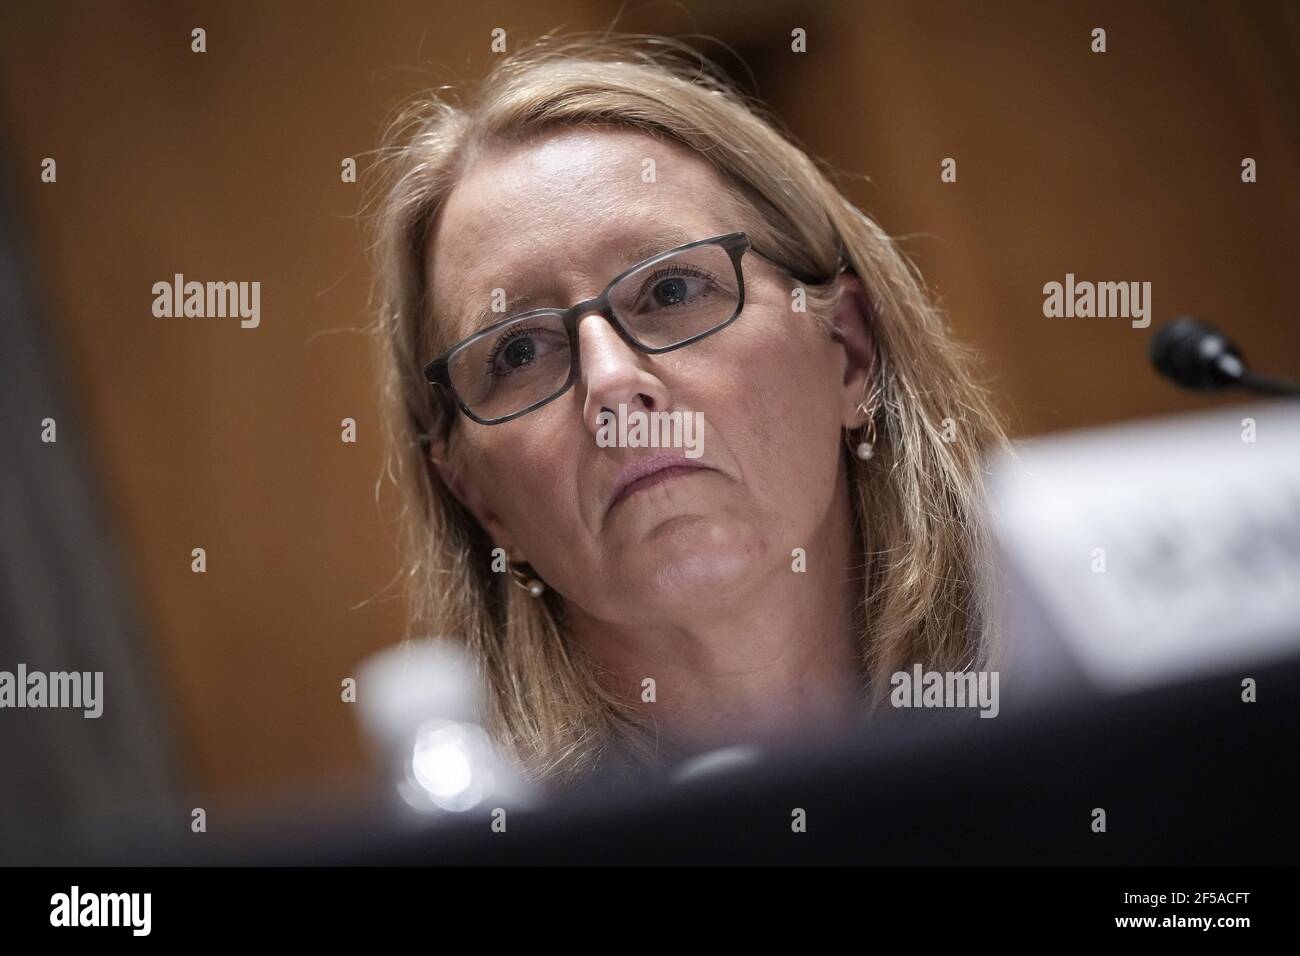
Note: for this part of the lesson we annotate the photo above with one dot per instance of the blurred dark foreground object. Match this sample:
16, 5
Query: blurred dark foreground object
1187, 774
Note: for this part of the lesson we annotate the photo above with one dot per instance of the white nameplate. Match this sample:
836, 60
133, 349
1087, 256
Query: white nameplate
1148, 553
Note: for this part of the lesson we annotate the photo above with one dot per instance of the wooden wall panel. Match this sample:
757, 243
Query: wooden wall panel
224, 166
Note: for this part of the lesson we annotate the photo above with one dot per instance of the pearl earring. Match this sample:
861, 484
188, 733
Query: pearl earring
532, 585
866, 449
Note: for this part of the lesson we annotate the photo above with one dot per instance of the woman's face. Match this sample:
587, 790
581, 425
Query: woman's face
553, 220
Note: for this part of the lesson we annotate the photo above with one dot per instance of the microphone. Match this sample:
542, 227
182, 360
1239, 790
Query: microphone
1195, 355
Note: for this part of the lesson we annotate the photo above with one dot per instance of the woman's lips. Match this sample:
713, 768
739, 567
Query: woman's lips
641, 475
650, 481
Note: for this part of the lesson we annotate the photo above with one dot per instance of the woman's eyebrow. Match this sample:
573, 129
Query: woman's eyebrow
482, 318
670, 237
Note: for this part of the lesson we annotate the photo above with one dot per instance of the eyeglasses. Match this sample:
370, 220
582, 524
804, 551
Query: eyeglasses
666, 302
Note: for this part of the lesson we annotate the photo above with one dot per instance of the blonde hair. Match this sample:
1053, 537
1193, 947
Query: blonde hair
915, 502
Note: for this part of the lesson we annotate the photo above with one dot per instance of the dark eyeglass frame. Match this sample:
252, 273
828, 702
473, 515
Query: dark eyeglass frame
736, 244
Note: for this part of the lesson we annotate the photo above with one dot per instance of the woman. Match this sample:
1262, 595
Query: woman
608, 229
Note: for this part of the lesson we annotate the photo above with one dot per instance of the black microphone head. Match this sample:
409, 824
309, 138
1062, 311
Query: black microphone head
1195, 354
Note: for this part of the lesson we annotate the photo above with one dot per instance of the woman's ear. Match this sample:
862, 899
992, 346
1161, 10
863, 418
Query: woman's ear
439, 454
854, 332
465, 491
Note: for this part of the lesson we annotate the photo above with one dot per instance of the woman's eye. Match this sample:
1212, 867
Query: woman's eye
520, 349
519, 352
672, 290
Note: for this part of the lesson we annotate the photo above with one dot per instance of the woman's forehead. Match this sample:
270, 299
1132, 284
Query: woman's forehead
582, 202
574, 182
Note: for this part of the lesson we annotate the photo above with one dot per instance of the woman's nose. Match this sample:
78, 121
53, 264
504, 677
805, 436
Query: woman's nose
614, 373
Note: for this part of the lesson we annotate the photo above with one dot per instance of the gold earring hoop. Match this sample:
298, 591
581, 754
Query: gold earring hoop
529, 582
865, 449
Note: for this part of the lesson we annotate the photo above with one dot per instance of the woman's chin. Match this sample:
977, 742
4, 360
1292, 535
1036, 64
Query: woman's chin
695, 561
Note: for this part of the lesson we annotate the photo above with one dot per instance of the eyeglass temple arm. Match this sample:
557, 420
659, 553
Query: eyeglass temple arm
845, 265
